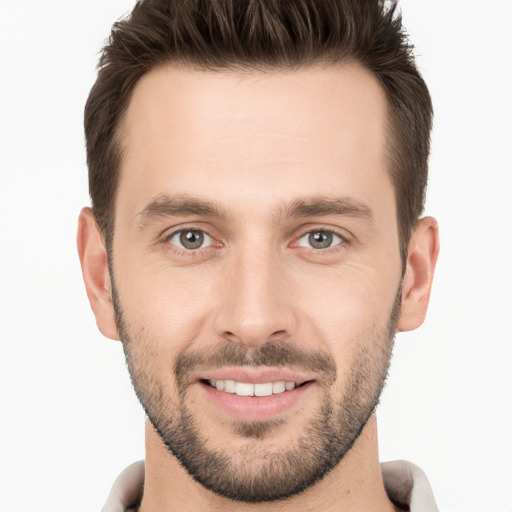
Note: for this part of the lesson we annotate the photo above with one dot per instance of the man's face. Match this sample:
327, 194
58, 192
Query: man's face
256, 245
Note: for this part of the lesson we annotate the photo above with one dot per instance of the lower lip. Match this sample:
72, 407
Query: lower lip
255, 408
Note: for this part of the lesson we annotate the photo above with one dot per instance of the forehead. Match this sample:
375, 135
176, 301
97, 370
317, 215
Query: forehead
262, 136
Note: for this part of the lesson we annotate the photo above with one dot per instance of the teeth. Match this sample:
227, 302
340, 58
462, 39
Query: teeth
246, 389
263, 389
278, 387
243, 389
229, 386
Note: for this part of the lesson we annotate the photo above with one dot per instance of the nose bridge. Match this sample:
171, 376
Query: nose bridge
255, 305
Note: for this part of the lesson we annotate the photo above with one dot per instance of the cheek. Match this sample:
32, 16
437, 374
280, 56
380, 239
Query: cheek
168, 309
353, 291
348, 310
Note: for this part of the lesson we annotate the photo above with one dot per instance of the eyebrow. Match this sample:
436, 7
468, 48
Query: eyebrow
184, 206
317, 206
174, 206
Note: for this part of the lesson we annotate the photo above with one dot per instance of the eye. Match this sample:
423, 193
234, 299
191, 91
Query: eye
190, 239
320, 239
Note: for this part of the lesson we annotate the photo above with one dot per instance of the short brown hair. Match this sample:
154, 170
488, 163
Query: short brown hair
262, 35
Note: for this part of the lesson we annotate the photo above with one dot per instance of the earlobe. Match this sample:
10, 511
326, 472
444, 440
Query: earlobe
419, 274
93, 258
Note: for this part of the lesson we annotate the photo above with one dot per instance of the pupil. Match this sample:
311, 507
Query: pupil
192, 239
320, 240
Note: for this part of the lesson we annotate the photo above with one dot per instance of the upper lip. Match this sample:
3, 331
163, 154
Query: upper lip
254, 375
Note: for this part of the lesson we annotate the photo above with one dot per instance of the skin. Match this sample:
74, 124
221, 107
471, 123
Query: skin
252, 145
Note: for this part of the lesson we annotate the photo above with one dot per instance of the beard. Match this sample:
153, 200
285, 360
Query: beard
258, 471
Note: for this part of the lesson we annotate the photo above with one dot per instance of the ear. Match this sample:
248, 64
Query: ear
93, 258
419, 273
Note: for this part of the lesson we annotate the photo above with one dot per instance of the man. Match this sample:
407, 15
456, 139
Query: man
257, 173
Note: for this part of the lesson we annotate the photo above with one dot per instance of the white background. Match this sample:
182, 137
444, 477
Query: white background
69, 420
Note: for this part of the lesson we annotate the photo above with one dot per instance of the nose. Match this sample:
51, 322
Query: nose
256, 303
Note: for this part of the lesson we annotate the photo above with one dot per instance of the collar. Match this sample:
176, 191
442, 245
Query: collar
405, 483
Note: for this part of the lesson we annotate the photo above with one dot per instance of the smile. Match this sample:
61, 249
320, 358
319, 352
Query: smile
248, 389
255, 394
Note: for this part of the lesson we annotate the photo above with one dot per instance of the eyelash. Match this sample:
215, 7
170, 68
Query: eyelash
345, 241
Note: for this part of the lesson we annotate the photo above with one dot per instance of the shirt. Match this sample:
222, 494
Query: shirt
405, 484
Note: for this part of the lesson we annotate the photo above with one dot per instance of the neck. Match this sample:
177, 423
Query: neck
355, 484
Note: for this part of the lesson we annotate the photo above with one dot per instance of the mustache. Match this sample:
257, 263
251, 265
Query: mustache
271, 354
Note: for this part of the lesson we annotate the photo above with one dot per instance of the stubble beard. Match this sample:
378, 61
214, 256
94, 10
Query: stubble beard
254, 475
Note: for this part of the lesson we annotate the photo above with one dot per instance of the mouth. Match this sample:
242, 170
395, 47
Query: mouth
252, 395
250, 389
